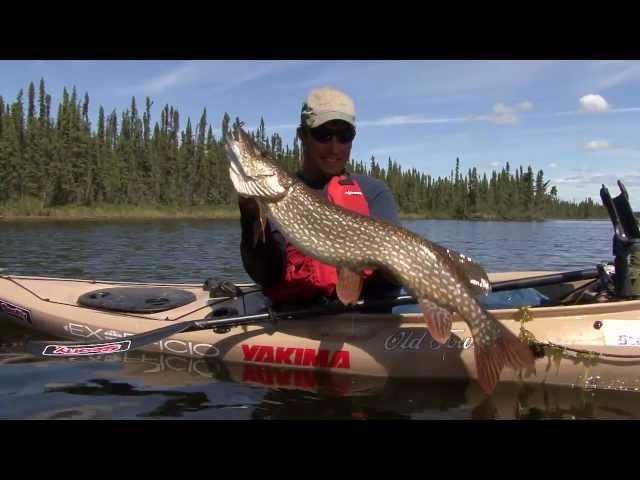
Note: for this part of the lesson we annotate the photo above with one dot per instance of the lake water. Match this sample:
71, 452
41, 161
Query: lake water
190, 251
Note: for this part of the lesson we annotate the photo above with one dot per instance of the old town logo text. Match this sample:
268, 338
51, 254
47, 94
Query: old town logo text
308, 357
408, 340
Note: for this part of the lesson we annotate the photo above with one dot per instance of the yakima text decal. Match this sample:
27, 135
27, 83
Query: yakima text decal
296, 356
16, 312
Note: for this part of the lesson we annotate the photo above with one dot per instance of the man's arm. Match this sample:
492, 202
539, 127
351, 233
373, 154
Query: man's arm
265, 262
383, 206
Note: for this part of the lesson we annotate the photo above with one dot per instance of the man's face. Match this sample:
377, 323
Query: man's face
327, 149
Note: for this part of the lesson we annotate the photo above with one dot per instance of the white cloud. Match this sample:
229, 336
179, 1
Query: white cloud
392, 150
593, 104
504, 114
282, 126
577, 187
630, 179
611, 73
625, 110
553, 165
582, 111
408, 120
595, 145
524, 106
495, 164
183, 74
425, 81
217, 75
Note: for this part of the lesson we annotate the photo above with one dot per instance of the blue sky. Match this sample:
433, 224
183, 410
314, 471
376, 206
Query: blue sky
575, 120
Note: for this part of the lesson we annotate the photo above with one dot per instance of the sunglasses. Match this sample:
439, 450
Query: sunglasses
324, 135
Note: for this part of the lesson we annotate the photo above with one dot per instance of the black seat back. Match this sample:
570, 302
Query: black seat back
626, 242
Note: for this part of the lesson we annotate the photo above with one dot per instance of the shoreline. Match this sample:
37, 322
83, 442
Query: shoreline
118, 212
146, 213
132, 216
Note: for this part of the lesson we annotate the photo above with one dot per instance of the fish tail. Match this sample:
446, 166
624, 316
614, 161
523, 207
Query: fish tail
508, 350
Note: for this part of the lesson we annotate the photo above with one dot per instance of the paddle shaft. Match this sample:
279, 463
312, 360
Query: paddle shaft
543, 280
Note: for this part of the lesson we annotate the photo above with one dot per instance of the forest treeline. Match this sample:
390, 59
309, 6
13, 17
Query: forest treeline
128, 159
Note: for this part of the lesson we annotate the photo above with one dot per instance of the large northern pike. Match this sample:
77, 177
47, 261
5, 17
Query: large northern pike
436, 276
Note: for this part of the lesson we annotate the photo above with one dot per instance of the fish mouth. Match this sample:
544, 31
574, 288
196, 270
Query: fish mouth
251, 179
237, 173
233, 155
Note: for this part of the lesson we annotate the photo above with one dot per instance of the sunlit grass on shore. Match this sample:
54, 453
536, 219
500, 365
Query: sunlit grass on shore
31, 209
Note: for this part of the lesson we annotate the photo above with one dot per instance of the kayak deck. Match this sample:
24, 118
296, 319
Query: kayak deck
377, 345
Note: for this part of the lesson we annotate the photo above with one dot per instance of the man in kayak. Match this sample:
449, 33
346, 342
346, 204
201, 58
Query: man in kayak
326, 132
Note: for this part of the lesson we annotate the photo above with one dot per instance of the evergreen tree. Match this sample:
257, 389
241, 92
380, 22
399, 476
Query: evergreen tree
31, 112
225, 125
61, 161
42, 99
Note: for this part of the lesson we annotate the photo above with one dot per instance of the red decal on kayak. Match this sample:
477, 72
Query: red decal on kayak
279, 378
306, 379
283, 377
250, 352
341, 359
283, 355
316, 357
256, 374
71, 351
307, 357
15, 311
265, 355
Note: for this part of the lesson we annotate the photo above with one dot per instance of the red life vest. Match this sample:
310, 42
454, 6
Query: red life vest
307, 278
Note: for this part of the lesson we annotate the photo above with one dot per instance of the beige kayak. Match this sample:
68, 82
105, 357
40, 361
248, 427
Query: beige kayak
355, 344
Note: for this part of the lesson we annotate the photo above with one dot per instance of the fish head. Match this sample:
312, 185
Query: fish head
253, 173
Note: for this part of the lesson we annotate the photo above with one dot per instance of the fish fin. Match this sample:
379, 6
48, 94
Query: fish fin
470, 270
438, 321
260, 227
349, 286
263, 222
508, 350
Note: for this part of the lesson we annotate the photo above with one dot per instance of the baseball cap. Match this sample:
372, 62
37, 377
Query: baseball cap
326, 104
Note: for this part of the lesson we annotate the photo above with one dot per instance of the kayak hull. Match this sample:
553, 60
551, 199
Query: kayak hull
372, 345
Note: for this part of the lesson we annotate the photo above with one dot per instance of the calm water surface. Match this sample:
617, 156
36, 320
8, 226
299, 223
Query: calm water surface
158, 386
